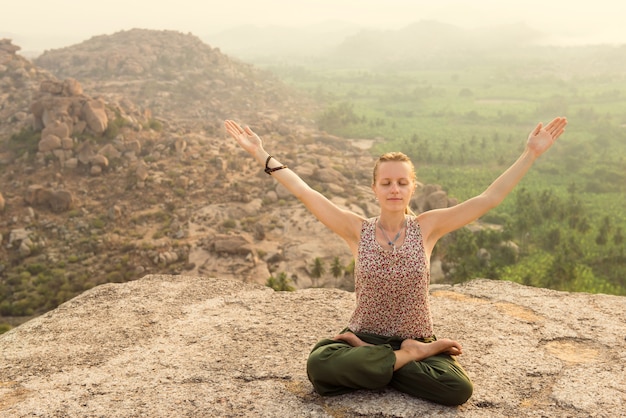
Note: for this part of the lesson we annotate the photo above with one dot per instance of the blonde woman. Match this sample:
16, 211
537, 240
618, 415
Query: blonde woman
389, 340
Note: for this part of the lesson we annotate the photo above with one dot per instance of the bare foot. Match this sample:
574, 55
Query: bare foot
351, 339
413, 350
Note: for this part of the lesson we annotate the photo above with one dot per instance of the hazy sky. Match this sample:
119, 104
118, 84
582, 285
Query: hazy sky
44, 24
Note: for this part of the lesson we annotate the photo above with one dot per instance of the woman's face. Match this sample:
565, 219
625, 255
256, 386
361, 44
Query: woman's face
394, 185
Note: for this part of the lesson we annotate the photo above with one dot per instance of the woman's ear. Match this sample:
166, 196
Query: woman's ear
374, 191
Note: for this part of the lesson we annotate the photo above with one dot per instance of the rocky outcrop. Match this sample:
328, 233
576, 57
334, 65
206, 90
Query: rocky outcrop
62, 112
58, 112
54, 200
60, 109
431, 196
195, 346
232, 244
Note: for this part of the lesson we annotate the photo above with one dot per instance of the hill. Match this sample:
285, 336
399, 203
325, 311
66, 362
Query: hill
115, 164
175, 76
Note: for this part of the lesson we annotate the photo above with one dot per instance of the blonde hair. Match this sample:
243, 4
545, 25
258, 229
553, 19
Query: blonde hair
400, 157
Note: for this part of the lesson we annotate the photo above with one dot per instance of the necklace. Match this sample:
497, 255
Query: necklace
392, 242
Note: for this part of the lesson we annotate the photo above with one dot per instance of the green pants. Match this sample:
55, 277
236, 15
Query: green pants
335, 368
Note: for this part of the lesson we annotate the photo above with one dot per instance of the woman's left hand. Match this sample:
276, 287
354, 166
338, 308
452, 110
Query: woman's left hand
542, 137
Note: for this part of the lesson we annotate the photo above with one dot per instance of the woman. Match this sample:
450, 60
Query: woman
389, 339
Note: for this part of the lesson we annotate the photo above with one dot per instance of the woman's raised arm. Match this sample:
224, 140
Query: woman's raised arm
344, 223
437, 223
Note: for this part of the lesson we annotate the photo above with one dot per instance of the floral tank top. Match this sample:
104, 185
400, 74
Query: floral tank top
391, 287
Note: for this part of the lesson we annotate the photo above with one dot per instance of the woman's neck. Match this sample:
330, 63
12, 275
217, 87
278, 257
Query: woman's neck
392, 222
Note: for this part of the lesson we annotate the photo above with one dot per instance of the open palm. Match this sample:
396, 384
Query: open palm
542, 138
247, 139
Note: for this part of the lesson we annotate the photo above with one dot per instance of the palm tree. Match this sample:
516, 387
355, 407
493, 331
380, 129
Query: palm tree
336, 269
282, 283
317, 270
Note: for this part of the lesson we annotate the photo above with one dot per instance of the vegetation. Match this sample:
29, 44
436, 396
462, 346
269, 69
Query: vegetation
24, 142
281, 283
33, 284
336, 268
563, 227
317, 270
34, 288
155, 125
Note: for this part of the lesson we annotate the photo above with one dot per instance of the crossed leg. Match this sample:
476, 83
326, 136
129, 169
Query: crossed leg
410, 350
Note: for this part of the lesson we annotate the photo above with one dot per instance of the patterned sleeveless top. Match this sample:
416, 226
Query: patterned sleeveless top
391, 287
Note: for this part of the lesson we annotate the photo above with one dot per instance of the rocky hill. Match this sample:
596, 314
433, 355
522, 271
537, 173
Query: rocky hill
182, 346
177, 77
114, 164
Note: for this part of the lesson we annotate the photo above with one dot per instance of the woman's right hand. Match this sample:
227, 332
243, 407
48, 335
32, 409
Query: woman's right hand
247, 139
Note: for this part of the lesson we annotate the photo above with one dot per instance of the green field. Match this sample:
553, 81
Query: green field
464, 127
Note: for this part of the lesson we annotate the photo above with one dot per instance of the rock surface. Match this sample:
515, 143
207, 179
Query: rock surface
173, 346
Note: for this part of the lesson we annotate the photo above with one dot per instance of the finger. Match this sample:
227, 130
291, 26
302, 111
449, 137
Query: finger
559, 128
562, 124
556, 124
234, 130
557, 134
552, 123
231, 125
537, 129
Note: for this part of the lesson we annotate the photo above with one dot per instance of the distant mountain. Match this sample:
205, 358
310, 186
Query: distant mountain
425, 44
256, 43
431, 40
344, 43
